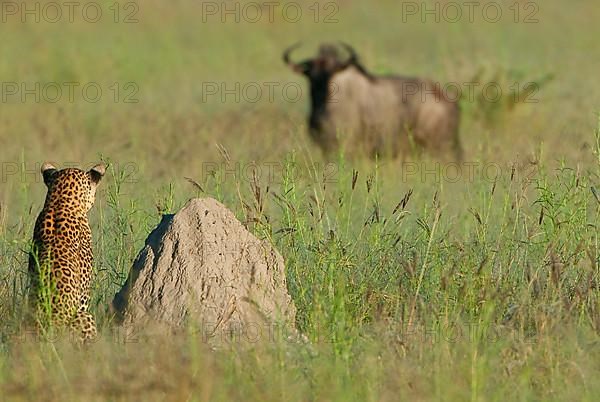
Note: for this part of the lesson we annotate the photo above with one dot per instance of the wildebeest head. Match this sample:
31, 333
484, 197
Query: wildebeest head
319, 70
322, 67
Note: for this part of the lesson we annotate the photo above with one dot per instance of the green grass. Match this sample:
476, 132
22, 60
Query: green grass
409, 284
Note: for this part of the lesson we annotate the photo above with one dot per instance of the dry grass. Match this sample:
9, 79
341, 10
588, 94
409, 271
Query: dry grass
407, 287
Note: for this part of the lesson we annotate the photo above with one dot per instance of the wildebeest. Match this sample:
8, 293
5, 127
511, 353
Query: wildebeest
377, 115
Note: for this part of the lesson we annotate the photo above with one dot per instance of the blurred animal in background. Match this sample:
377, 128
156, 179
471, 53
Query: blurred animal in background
387, 116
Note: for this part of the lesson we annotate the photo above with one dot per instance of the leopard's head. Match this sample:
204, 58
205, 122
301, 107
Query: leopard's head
72, 188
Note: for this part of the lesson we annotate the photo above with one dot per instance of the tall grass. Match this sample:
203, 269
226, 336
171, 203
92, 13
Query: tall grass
411, 281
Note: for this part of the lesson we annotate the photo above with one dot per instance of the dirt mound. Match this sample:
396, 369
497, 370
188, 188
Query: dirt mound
202, 267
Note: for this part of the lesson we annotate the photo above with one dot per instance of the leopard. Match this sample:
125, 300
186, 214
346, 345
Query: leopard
61, 258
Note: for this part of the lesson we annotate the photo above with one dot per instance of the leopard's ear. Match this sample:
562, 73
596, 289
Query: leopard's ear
48, 172
97, 172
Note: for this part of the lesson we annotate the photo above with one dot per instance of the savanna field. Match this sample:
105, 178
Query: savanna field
413, 280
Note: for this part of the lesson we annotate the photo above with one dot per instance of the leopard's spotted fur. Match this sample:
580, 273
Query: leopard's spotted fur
60, 264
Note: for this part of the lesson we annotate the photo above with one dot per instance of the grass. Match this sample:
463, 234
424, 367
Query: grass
412, 282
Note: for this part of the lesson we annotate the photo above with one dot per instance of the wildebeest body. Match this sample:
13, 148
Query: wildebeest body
377, 115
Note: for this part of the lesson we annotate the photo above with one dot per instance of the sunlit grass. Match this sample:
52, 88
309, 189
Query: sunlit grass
411, 281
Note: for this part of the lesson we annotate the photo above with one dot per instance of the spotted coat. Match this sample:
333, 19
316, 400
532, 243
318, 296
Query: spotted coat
60, 264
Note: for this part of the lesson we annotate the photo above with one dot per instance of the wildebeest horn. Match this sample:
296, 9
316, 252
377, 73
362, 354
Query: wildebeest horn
353, 57
287, 52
